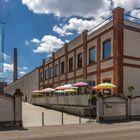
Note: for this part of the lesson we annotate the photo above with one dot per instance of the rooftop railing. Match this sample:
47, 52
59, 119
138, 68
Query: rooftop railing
101, 24
130, 18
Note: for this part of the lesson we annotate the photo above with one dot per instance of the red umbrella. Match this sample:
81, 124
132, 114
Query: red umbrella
60, 88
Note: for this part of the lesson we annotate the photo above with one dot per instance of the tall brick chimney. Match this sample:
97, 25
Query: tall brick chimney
15, 66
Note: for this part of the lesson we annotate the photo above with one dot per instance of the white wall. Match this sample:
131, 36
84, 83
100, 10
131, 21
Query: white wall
26, 84
131, 78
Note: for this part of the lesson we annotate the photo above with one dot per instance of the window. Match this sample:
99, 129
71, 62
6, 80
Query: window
62, 67
70, 64
92, 55
41, 76
106, 49
56, 70
107, 81
79, 58
50, 71
46, 74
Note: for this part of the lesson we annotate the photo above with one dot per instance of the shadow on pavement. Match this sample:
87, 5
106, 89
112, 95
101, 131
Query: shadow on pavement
13, 128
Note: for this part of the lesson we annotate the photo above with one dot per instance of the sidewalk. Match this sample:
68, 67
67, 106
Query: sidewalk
66, 130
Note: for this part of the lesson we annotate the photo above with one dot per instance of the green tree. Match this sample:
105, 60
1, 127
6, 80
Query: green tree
130, 90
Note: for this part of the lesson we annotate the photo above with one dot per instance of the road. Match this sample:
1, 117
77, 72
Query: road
53, 131
32, 116
90, 131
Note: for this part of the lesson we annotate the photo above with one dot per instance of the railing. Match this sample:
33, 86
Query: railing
131, 18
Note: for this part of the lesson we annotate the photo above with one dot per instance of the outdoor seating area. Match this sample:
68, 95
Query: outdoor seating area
80, 88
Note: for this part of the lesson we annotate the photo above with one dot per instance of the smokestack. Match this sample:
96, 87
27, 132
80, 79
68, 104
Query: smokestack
15, 65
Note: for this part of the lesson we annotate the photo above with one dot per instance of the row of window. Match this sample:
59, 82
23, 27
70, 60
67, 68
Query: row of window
92, 58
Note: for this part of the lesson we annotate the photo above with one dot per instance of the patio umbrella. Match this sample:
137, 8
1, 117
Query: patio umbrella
59, 91
67, 86
60, 88
69, 90
48, 90
104, 86
36, 91
80, 84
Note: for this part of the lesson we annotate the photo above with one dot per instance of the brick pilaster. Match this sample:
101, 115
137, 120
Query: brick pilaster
85, 54
74, 72
43, 72
118, 19
66, 63
53, 69
98, 59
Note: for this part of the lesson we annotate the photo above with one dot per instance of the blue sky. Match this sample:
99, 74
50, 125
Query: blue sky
39, 27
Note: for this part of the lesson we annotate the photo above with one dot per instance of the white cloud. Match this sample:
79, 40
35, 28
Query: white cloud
84, 8
75, 24
48, 44
8, 67
6, 1
21, 73
61, 31
6, 57
26, 42
127, 4
22, 68
35, 40
135, 13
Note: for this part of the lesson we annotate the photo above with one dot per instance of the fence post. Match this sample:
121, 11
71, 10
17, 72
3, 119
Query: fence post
62, 118
18, 108
79, 117
89, 114
42, 118
128, 107
99, 110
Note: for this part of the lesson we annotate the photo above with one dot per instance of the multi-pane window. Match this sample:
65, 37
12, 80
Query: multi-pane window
50, 72
79, 60
107, 49
92, 55
46, 74
56, 70
41, 76
107, 81
62, 67
70, 64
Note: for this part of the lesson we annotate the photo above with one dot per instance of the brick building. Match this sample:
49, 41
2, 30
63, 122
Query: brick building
110, 53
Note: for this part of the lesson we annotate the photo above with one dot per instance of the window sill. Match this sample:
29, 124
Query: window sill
91, 64
106, 59
79, 68
71, 71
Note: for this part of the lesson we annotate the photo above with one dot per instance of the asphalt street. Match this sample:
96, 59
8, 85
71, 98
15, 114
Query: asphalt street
89, 131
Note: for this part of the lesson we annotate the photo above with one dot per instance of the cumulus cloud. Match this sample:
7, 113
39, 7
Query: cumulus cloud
48, 44
6, 57
127, 4
22, 73
75, 24
23, 68
135, 13
8, 67
84, 8
35, 40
